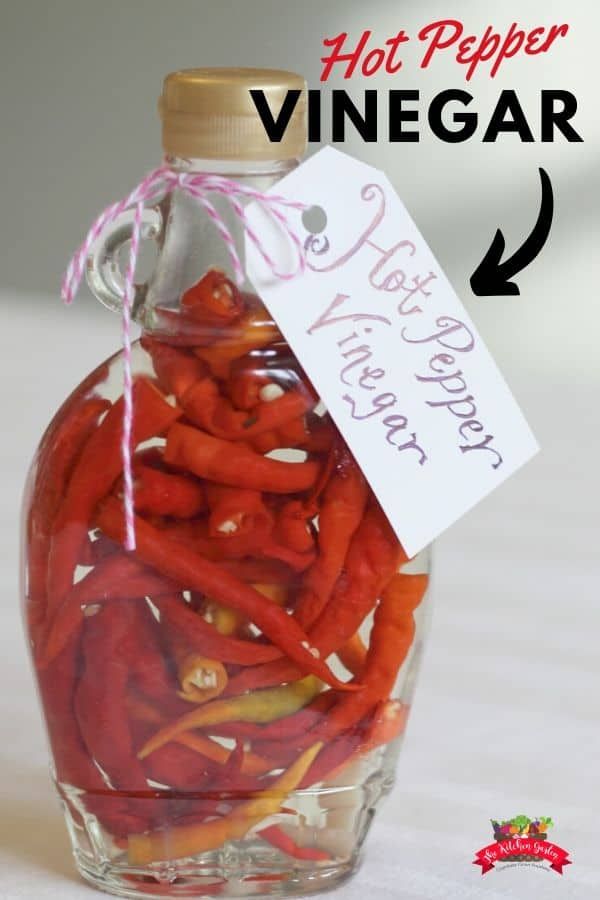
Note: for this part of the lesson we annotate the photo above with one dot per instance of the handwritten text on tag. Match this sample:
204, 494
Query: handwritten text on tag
391, 350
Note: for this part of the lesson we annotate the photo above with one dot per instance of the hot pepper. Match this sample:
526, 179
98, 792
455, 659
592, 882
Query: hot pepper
293, 434
293, 526
201, 679
214, 300
244, 387
353, 655
229, 545
97, 469
184, 841
196, 573
165, 494
176, 369
258, 707
95, 550
373, 557
118, 577
202, 637
59, 452
109, 646
221, 461
251, 763
391, 639
340, 514
206, 407
255, 329
372, 560
236, 511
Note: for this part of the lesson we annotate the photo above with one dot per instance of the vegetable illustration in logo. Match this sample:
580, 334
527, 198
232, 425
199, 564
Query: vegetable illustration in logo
522, 840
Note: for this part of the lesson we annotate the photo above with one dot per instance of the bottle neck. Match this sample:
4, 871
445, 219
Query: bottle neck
189, 243
267, 172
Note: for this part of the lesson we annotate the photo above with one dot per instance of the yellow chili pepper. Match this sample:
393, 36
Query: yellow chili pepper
252, 763
188, 840
227, 621
260, 707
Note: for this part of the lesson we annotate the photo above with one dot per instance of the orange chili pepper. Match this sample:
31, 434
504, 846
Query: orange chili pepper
391, 638
226, 463
340, 514
353, 655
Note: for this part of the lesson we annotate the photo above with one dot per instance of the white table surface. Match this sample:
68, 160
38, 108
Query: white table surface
506, 715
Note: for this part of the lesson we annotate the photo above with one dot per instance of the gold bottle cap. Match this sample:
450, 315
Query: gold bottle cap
209, 114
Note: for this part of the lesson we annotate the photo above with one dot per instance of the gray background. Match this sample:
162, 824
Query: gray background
505, 719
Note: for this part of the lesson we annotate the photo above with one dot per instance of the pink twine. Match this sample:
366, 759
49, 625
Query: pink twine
153, 187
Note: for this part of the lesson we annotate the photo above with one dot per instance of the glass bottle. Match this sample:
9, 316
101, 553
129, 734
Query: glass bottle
193, 756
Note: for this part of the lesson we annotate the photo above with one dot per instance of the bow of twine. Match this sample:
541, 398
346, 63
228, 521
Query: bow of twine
155, 186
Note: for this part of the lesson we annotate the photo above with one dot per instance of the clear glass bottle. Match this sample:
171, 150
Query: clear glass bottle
193, 754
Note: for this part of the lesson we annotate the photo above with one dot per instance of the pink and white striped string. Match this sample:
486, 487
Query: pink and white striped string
156, 185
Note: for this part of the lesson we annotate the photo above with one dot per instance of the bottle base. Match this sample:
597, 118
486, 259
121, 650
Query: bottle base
329, 827
251, 877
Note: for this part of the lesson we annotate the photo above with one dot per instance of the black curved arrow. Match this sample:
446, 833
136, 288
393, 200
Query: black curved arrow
491, 277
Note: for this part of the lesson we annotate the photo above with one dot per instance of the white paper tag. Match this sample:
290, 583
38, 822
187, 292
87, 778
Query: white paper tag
390, 348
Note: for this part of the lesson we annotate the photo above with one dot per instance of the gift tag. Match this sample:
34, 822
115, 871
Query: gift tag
389, 347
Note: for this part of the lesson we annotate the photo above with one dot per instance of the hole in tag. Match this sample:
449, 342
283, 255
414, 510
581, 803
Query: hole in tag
314, 219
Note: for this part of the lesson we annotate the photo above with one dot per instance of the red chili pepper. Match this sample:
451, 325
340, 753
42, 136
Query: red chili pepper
164, 494
97, 469
175, 766
255, 329
116, 578
353, 655
373, 558
244, 387
292, 435
293, 526
109, 646
257, 542
195, 573
264, 571
58, 454
96, 551
226, 463
321, 435
203, 637
176, 370
234, 511
152, 671
74, 765
71, 759
207, 408
214, 300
